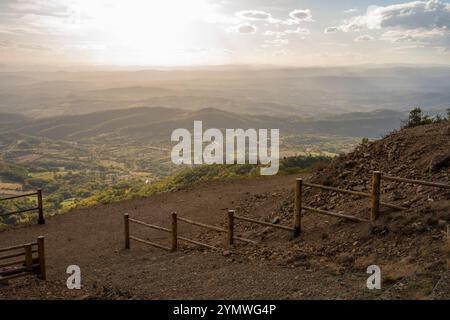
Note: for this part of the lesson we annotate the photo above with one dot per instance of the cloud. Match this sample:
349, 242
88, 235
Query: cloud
352, 10
50, 8
423, 21
416, 35
301, 15
282, 52
276, 43
429, 14
364, 38
254, 15
295, 17
243, 28
6, 44
279, 34
303, 31
331, 30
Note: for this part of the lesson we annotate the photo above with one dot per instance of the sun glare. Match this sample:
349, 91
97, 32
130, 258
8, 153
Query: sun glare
141, 31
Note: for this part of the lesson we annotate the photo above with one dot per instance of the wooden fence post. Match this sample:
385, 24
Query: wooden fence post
174, 232
448, 246
29, 257
126, 221
298, 202
41, 219
41, 253
230, 227
376, 192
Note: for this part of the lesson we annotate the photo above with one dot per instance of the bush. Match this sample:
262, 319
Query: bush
417, 118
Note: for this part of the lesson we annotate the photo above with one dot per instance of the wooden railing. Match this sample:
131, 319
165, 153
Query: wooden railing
129, 237
174, 232
218, 229
39, 208
232, 216
375, 196
20, 260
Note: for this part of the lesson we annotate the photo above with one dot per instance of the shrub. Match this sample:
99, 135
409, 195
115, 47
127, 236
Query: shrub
417, 118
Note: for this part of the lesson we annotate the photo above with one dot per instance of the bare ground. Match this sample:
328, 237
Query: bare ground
278, 268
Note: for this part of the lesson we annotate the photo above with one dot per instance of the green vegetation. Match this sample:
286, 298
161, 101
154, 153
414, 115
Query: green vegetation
66, 189
204, 173
418, 118
13, 173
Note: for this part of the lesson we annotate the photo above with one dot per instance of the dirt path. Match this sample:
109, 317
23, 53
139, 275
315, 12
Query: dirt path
93, 239
311, 267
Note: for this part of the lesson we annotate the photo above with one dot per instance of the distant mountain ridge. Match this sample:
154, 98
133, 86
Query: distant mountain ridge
158, 123
310, 92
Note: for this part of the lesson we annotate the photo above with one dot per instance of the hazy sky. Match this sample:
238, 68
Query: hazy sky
198, 32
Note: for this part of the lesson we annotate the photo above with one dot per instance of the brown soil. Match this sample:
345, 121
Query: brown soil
328, 260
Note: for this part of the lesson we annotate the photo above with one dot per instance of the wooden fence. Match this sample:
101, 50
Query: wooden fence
22, 260
374, 195
232, 217
174, 233
39, 208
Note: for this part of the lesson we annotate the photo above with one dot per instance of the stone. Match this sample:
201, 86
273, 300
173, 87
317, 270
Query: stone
439, 162
276, 220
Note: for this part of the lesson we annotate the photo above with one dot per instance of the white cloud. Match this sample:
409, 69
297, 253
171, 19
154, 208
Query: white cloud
295, 17
282, 52
416, 35
331, 30
425, 21
429, 14
254, 15
303, 31
301, 15
279, 34
352, 10
364, 38
276, 43
244, 28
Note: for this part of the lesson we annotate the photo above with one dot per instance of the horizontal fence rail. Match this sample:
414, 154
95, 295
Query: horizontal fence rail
128, 236
355, 193
11, 268
319, 186
39, 208
19, 196
152, 226
232, 216
198, 243
175, 219
214, 228
154, 244
263, 223
419, 182
335, 214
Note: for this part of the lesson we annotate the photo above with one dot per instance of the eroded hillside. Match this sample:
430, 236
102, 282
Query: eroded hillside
328, 260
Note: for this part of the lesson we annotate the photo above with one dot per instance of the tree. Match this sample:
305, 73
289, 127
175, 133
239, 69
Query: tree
448, 114
417, 118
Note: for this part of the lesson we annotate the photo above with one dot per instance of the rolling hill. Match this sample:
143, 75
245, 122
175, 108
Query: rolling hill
328, 261
158, 123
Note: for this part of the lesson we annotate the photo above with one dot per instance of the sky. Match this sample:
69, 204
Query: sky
221, 32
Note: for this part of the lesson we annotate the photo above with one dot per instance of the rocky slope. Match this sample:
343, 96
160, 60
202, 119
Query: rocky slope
328, 260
